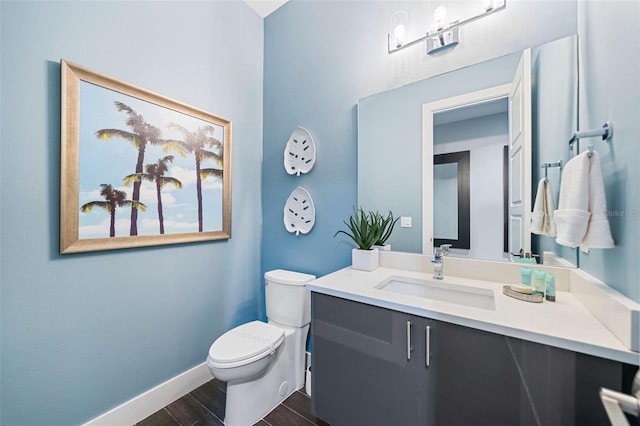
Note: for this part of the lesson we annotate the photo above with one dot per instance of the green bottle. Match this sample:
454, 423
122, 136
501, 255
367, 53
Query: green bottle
550, 287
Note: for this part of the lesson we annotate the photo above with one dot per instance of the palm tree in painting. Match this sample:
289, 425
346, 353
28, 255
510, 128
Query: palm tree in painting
141, 135
155, 173
198, 143
114, 198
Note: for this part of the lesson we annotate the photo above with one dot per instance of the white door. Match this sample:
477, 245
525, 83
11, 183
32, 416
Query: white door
520, 157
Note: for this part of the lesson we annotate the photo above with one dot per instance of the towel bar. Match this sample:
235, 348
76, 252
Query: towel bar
546, 166
606, 132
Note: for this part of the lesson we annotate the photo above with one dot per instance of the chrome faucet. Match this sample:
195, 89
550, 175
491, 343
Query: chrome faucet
438, 254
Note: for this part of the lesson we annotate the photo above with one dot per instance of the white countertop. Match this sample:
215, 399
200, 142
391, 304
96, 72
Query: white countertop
565, 323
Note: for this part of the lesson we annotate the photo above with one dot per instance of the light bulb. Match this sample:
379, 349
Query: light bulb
440, 17
398, 28
400, 33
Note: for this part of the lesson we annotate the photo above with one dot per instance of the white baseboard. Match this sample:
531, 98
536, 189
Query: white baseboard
147, 403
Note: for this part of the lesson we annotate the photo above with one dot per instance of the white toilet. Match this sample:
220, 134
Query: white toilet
263, 363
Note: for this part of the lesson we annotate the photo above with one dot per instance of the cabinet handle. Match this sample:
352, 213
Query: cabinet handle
427, 332
409, 348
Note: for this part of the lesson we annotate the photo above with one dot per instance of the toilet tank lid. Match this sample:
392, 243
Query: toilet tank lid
288, 277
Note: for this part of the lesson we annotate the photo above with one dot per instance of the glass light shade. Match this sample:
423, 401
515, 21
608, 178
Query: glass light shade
398, 28
440, 17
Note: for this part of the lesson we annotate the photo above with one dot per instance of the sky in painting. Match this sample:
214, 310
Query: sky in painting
109, 161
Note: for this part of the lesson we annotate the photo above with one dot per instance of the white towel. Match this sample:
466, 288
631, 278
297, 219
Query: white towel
581, 218
542, 222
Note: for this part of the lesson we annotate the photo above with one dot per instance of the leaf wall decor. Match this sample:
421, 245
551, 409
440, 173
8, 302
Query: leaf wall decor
299, 212
300, 152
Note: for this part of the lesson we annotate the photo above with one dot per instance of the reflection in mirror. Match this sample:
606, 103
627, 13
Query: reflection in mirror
451, 182
390, 139
485, 121
554, 70
445, 195
482, 131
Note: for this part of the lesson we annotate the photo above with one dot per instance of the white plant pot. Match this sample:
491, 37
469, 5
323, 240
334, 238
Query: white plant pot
386, 247
364, 260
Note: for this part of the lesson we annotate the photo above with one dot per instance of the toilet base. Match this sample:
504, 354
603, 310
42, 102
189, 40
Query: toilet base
251, 400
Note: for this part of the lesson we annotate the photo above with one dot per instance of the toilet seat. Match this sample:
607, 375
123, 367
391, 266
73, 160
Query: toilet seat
245, 344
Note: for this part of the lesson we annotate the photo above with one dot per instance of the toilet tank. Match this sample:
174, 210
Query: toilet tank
287, 298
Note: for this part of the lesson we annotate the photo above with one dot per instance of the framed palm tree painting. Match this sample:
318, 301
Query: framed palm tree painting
137, 168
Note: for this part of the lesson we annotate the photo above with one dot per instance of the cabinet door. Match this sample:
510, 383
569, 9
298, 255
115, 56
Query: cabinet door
547, 383
484, 378
365, 364
561, 387
476, 379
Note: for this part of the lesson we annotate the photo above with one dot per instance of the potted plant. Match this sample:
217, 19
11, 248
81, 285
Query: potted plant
386, 228
364, 229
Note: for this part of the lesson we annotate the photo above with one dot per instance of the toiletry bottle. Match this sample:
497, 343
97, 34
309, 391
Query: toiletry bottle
538, 281
525, 275
526, 260
550, 287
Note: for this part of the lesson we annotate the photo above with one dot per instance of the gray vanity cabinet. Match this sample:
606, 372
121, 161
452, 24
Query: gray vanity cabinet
370, 367
368, 364
376, 366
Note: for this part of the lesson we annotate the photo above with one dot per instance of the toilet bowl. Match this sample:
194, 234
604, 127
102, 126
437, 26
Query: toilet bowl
263, 363
245, 351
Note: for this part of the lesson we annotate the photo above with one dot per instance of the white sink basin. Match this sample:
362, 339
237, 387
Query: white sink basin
443, 291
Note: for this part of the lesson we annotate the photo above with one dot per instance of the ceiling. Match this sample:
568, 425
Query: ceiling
264, 7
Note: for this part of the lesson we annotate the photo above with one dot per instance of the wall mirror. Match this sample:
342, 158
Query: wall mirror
396, 151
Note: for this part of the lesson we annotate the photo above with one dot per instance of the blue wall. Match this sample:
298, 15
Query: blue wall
609, 90
83, 333
321, 57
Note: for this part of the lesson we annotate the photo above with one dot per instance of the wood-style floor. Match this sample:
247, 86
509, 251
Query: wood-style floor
205, 406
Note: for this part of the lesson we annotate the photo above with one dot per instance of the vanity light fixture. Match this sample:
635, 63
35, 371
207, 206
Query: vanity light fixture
443, 34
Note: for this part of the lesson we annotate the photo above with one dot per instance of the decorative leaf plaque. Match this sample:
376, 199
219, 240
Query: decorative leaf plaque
299, 212
300, 152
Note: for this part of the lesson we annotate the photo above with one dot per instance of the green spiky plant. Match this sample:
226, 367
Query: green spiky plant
386, 224
363, 228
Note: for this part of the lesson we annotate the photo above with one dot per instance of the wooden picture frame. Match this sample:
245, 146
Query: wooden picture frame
137, 168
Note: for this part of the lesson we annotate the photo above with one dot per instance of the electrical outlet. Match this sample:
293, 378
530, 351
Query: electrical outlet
405, 222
